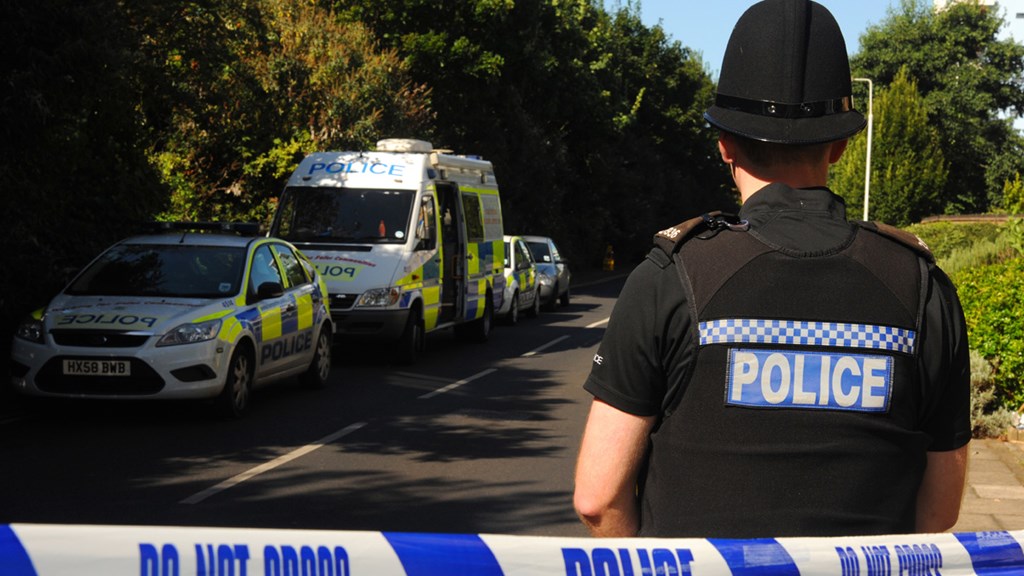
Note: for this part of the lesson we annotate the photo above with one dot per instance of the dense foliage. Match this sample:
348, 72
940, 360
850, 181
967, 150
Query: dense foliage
968, 78
993, 301
74, 175
989, 419
946, 238
593, 120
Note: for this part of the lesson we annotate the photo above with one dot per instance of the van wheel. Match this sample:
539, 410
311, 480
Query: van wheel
512, 318
535, 309
412, 341
234, 398
564, 299
483, 326
320, 368
478, 330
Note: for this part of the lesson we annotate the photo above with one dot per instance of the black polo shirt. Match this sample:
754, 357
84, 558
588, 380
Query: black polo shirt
650, 346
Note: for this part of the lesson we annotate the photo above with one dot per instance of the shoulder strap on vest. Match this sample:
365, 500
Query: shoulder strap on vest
671, 239
902, 236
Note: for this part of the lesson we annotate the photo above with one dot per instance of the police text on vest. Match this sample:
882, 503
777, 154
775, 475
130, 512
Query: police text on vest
809, 380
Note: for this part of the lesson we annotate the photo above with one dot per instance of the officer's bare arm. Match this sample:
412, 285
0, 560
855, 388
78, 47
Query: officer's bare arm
611, 454
942, 490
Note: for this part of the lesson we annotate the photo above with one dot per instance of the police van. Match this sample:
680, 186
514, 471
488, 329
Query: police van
408, 238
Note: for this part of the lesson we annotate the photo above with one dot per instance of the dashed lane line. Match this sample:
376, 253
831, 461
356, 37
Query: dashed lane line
536, 351
299, 452
455, 385
266, 467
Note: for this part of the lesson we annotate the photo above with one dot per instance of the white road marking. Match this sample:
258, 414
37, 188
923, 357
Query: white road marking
536, 351
455, 385
297, 453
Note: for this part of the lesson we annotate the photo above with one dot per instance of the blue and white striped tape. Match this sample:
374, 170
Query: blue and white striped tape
80, 550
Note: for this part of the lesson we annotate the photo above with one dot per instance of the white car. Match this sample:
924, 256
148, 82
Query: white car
180, 315
521, 286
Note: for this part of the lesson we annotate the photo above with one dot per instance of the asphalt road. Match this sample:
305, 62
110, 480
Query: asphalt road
474, 438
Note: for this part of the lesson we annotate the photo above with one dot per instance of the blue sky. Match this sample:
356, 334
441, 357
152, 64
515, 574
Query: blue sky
704, 25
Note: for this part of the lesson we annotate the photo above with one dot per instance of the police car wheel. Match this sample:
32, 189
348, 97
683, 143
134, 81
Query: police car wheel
234, 398
320, 367
535, 309
512, 318
412, 341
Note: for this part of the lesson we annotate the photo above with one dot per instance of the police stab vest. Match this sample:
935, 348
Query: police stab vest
799, 416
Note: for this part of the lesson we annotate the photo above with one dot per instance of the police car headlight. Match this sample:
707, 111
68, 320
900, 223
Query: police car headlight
31, 329
191, 333
379, 297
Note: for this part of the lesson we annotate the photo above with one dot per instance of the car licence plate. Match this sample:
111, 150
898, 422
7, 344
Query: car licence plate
97, 368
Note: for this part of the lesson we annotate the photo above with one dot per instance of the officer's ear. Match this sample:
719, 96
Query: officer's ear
727, 147
836, 151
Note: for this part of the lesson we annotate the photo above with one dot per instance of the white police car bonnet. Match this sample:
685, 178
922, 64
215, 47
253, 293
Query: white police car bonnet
785, 77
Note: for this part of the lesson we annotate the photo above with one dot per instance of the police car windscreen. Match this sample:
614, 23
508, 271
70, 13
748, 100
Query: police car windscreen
158, 270
313, 214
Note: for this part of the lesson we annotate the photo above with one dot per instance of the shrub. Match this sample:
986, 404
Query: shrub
943, 238
988, 418
981, 253
993, 301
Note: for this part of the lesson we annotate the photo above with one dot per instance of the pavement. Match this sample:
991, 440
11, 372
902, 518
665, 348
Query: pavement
994, 495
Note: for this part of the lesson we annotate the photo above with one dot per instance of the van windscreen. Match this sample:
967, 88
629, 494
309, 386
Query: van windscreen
323, 214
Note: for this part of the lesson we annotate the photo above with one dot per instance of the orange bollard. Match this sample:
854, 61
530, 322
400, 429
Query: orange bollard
609, 259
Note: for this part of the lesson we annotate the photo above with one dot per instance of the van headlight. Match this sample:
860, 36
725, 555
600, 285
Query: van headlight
545, 280
379, 297
191, 333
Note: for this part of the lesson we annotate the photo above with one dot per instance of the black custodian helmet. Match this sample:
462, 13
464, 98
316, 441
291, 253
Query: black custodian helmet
785, 77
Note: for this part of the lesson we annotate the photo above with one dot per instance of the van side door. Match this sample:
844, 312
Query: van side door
452, 251
479, 258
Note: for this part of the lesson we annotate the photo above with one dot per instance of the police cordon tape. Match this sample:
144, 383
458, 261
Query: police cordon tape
84, 550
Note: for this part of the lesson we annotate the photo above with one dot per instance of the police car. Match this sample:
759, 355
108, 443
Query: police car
522, 290
189, 311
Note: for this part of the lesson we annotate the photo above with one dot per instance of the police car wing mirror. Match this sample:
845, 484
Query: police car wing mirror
269, 290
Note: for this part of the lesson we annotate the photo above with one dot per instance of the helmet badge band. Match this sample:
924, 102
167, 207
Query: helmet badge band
783, 110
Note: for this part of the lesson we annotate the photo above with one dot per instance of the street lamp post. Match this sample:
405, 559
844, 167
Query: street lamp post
867, 163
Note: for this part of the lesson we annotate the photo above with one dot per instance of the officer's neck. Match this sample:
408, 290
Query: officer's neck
748, 182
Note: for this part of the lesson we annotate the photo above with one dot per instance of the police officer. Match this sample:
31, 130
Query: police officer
786, 372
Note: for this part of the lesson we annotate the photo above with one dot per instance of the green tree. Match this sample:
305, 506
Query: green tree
908, 171
967, 76
593, 120
74, 176
253, 86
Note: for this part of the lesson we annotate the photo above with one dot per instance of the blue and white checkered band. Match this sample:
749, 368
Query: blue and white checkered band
804, 333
